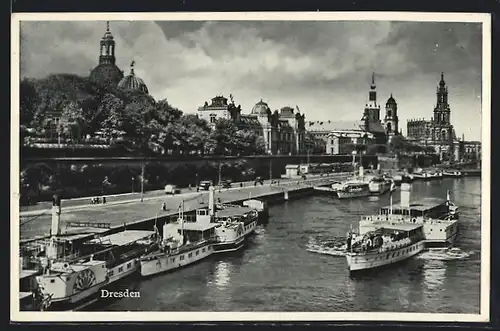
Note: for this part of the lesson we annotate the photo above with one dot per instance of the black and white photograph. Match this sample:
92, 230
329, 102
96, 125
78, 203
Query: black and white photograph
250, 166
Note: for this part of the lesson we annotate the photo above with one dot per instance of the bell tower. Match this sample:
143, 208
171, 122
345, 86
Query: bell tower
372, 109
391, 120
107, 48
442, 109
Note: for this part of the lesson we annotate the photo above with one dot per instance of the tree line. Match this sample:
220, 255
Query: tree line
89, 113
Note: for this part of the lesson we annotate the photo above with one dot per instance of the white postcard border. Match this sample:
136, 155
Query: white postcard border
483, 316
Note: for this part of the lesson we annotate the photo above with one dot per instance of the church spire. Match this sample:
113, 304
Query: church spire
373, 92
442, 82
107, 46
132, 67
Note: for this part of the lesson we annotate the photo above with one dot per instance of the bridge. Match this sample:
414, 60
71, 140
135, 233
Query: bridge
134, 214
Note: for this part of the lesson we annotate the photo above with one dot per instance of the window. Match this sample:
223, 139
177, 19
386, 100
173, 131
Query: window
198, 252
120, 269
129, 265
213, 118
172, 260
203, 250
181, 257
190, 254
52, 280
111, 273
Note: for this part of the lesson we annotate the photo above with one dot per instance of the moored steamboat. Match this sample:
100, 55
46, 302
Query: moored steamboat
77, 266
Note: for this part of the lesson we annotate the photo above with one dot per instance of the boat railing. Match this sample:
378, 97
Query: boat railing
81, 224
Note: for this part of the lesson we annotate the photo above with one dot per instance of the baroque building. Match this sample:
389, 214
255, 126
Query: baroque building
283, 131
339, 136
437, 132
107, 73
391, 120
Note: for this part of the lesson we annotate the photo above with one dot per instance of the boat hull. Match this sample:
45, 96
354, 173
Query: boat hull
379, 188
360, 262
352, 195
160, 263
229, 246
78, 300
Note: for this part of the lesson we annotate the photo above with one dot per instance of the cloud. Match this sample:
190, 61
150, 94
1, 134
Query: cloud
324, 67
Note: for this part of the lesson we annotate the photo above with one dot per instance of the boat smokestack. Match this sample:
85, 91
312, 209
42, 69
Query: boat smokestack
361, 171
56, 215
405, 195
165, 230
211, 200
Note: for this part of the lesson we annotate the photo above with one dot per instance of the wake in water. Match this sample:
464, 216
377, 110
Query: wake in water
335, 246
445, 254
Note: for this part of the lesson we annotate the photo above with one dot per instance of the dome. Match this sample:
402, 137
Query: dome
391, 101
261, 108
106, 74
132, 83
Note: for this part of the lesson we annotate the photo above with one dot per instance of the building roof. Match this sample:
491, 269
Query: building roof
375, 127
391, 100
327, 126
260, 109
249, 120
132, 83
106, 74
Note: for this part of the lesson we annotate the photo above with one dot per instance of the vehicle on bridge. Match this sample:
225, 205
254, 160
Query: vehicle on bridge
172, 189
225, 184
204, 185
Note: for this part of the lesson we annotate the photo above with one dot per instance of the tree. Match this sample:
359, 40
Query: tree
73, 122
223, 136
165, 113
111, 110
28, 99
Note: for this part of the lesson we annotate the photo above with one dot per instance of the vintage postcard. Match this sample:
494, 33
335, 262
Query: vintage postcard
250, 167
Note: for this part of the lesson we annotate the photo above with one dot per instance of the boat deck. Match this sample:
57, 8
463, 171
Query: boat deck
233, 211
421, 205
26, 273
123, 238
400, 226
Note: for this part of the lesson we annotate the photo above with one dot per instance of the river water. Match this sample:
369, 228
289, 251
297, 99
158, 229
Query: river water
292, 264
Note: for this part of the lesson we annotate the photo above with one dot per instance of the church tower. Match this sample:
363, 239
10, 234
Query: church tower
107, 51
106, 73
442, 109
372, 109
391, 120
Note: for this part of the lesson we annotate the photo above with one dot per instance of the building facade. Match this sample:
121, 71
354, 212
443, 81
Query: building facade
341, 136
437, 132
283, 131
371, 116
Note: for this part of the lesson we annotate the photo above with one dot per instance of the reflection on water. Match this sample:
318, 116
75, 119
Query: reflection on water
222, 273
434, 273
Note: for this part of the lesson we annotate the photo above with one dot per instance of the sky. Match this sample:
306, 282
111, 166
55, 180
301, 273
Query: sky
323, 67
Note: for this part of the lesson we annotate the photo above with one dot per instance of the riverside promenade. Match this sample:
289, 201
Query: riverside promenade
128, 211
